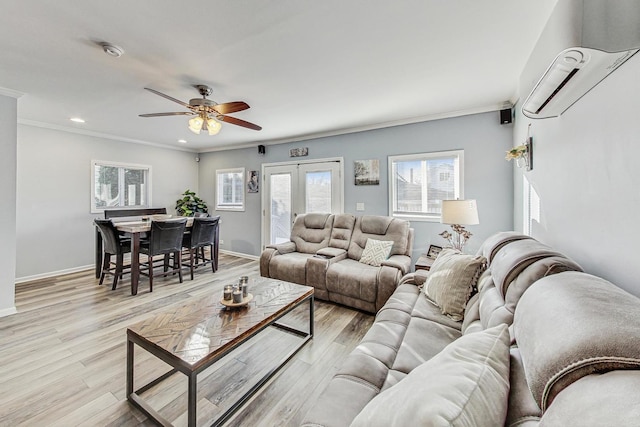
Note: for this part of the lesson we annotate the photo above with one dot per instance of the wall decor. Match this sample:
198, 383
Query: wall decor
366, 172
523, 154
253, 182
299, 152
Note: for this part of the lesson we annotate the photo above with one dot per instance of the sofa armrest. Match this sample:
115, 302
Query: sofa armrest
283, 248
331, 253
317, 266
417, 278
265, 259
401, 262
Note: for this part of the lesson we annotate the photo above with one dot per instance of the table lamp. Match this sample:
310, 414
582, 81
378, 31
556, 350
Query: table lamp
458, 213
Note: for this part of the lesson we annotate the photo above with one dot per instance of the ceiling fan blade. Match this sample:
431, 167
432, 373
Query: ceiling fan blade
182, 113
230, 107
238, 122
168, 97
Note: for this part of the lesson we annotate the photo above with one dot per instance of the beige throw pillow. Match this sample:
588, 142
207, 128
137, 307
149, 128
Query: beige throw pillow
376, 251
451, 278
466, 384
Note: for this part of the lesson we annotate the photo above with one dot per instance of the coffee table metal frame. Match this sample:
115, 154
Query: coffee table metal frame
178, 365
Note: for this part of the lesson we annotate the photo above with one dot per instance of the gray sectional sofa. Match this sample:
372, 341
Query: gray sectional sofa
325, 251
555, 346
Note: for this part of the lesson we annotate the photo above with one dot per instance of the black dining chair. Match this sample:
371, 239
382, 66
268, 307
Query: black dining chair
113, 244
165, 238
204, 233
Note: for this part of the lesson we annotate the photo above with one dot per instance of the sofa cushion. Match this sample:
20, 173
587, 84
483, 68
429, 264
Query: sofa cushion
451, 279
311, 232
600, 331
609, 399
466, 384
380, 228
375, 252
353, 279
290, 267
495, 242
342, 229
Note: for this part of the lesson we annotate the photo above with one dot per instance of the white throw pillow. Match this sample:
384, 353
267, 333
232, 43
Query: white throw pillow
466, 384
376, 251
451, 279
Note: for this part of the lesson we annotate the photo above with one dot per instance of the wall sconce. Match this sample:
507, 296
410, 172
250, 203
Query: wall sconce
523, 154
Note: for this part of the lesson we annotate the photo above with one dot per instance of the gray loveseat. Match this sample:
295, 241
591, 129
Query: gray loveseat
325, 252
571, 351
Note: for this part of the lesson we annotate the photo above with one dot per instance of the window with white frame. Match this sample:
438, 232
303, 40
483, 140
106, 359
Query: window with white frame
230, 189
530, 207
418, 183
119, 185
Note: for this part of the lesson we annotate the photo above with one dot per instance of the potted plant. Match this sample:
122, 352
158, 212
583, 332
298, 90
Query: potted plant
189, 204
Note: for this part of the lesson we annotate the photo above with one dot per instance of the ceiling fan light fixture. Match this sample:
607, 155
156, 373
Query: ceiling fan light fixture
213, 126
195, 125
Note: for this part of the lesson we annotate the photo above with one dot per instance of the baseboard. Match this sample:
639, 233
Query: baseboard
8, 311
90, 267
239, 254
53, 273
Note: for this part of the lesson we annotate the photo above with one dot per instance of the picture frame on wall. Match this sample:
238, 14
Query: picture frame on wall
366, 172
253, 182
433, 251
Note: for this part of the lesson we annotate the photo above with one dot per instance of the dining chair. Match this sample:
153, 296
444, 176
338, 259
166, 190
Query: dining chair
164, 238
113, 244
204, 233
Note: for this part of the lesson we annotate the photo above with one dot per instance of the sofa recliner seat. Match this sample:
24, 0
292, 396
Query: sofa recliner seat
325, 251
571, 334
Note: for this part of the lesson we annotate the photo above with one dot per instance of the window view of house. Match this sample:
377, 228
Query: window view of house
420, 182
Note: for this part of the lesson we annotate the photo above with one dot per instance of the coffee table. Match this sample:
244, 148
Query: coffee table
192, 337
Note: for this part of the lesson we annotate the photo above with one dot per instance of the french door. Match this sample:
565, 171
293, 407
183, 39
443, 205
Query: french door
291, 189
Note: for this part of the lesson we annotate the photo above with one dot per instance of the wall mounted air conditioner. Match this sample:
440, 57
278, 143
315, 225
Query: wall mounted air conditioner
605, 34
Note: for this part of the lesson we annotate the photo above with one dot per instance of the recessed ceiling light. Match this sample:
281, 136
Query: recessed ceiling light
112, 49
184, 141
76, 119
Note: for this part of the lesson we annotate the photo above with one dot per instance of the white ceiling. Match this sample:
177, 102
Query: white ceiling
307, 68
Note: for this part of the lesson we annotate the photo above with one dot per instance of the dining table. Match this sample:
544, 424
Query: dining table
133, 229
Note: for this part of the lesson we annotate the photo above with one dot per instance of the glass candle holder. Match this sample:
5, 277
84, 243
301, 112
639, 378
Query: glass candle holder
228, 289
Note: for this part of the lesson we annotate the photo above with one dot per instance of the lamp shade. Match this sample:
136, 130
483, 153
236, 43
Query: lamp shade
462, 212
195, 125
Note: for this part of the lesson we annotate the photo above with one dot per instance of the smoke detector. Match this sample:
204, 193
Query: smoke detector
112, 50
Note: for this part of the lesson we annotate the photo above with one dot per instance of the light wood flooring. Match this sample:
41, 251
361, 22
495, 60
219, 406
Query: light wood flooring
63, 355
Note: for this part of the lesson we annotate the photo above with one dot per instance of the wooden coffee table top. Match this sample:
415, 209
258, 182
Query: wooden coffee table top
193, 334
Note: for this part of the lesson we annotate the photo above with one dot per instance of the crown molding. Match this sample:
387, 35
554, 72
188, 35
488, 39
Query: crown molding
344, 131
35, 123
10, 92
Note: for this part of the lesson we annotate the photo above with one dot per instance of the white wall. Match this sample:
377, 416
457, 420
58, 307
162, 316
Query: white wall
54, 193
488, 177
587, 174
8, 143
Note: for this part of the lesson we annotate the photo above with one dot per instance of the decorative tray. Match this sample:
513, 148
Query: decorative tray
246, 300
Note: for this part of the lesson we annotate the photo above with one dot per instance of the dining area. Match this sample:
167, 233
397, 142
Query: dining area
155, 244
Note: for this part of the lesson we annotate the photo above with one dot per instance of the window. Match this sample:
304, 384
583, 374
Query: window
230, 189
119, 185
531, 207
419, 182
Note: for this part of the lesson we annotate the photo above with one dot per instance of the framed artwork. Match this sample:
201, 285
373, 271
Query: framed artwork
433, 251
253, 182
366, 172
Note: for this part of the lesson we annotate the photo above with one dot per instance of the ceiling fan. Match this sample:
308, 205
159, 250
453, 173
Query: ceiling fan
205, 111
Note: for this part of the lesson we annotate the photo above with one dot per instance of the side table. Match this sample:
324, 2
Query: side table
424, 263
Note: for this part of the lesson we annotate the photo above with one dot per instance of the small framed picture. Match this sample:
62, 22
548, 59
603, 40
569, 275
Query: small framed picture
253, 182
433, 251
